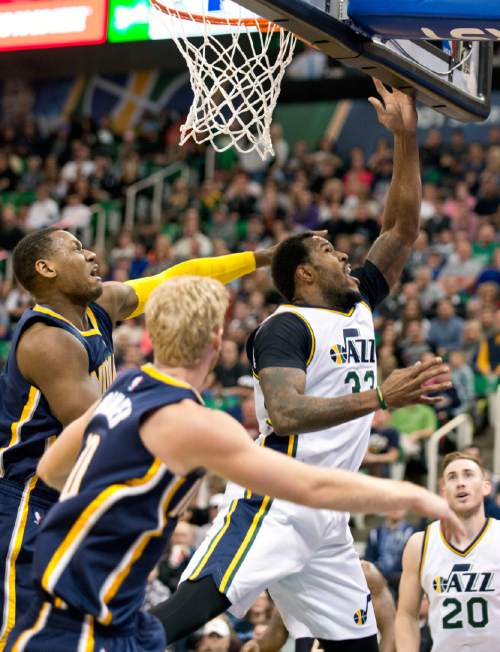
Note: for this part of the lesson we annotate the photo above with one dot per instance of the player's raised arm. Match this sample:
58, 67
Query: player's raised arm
127, 300
187, 436
400, 227
410, 597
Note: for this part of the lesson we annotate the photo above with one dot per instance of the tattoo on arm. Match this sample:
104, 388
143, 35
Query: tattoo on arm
389, 253
292, 412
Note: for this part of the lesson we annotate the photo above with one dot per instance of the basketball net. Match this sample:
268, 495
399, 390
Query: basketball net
236, 79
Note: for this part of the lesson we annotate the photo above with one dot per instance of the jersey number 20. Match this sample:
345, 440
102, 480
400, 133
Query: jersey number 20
477, 613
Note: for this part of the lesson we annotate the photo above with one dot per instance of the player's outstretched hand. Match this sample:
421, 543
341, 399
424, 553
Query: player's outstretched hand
433, 506
409, 386
263, 257
396, 111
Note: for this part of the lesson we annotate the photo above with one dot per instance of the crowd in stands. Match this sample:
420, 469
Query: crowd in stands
447, 301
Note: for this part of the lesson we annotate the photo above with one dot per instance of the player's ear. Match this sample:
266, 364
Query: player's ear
304, 273
217, 337
486, 487
45, 268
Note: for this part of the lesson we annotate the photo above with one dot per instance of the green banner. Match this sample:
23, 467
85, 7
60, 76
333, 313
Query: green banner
128, 20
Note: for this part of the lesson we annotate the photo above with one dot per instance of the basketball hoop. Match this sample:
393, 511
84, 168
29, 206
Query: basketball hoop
235, 82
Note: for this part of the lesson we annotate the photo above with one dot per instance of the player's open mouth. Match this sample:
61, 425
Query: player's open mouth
462, 495
94, 274
347, 272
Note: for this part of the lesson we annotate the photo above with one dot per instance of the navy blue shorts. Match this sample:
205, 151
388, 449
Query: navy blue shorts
47, 629
21, 515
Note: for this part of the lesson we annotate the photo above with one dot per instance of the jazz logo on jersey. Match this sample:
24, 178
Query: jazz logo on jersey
354, 349
462, 579
361, 615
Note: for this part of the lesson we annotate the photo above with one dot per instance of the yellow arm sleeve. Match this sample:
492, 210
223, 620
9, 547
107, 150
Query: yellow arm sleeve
223, 268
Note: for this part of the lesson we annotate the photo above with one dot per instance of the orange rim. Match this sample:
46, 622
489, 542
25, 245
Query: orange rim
262, 24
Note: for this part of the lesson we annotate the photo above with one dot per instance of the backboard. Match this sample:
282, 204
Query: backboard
452, 79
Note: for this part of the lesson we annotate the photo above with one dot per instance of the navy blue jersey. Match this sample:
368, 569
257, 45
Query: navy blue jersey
27, 425
99, 543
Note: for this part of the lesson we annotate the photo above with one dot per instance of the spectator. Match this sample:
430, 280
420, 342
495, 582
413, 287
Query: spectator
383, 446
463, 380
43, 212
229, 369
488, 357
385, 546
489, 197
414, 344
16, 301
485, 245
80, 165
156, 591
429, 291
223, 226
10, 230
415, 424
216, 636
492, 272
472, 335
193, 243
446, 331
75, 217
180, 550
462, 266
8, 178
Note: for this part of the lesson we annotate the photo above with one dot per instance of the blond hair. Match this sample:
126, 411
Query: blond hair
181, 316
459, 455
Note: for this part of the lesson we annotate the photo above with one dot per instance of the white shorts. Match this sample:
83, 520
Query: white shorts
304, 557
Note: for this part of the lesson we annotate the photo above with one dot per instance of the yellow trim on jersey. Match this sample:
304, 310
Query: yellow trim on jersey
15, 428
28, 634
424, 549
292, 439
337, 312
50, 575
14, 550
470, 548
87, 641
242, 550
118, 576
155, 373
219, 536
244, 545
87, 333
363, 303
313, 339
92, 318
248, 492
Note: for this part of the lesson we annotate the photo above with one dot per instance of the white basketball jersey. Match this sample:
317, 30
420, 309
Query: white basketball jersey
342, 361
464, 590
